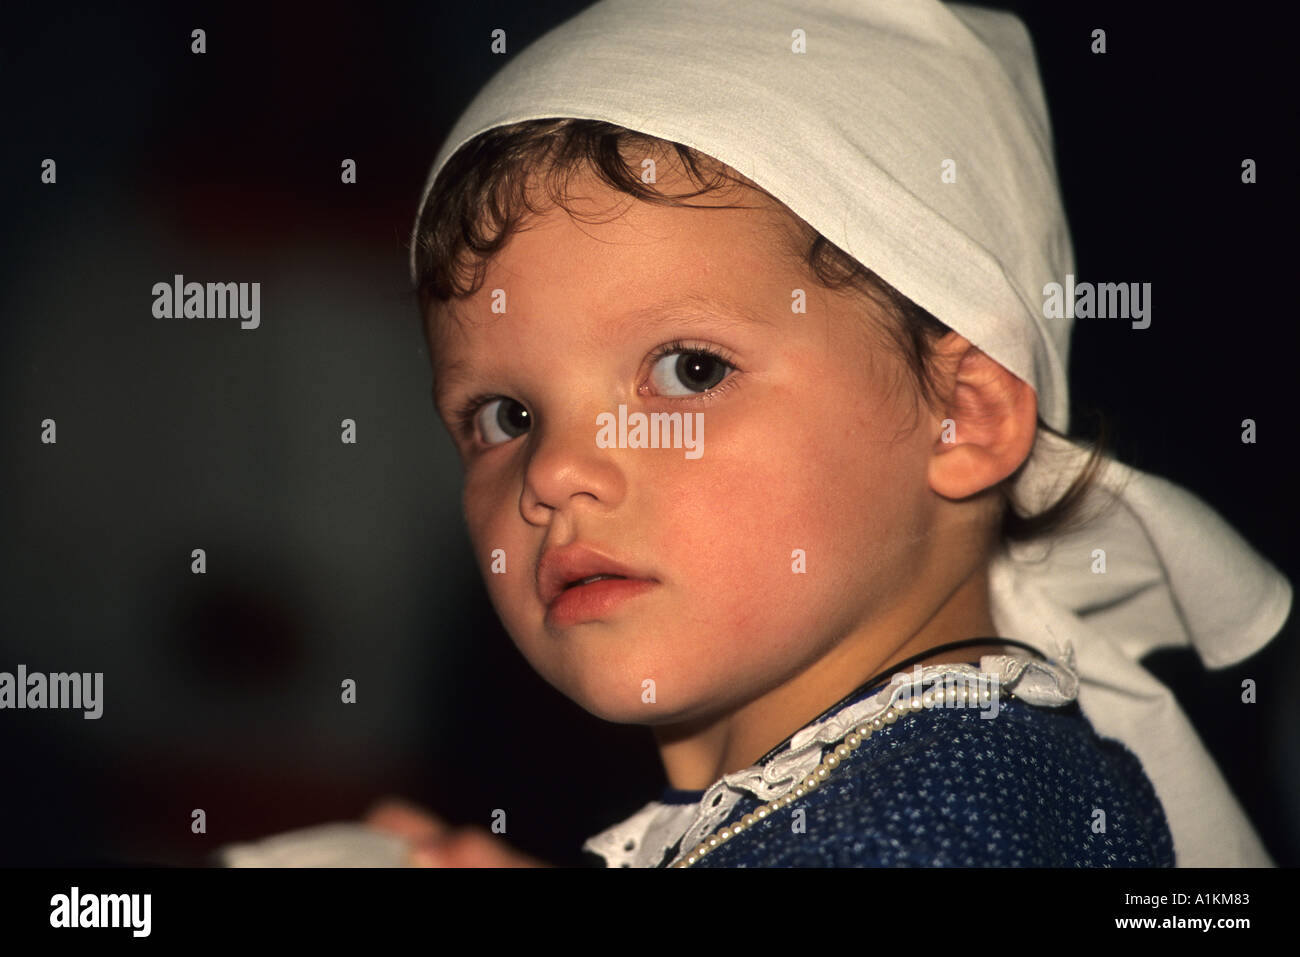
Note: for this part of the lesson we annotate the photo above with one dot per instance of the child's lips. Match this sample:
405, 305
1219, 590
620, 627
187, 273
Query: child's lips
561, 568
593, 600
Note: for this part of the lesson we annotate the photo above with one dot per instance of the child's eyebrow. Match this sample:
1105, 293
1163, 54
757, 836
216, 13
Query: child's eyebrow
694, 309
690, 310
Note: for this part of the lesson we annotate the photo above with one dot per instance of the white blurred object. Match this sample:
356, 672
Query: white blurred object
343, 844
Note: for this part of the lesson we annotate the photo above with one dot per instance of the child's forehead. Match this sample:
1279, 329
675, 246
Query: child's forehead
680, 309
728, 259
645, 256
750, 279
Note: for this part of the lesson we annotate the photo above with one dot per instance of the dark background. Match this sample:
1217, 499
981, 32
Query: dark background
328, 561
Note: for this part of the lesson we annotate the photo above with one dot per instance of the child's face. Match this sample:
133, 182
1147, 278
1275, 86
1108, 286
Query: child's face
807, 445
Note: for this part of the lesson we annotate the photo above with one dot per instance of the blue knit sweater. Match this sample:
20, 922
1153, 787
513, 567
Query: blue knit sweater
944, 787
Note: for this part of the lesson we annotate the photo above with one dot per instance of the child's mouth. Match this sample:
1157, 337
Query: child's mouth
579, 582
593, 597
592, 578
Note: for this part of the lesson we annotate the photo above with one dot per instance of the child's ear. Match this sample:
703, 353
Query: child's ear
989, 425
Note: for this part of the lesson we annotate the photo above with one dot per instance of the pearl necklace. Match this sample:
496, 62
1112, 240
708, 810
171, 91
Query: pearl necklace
960, 697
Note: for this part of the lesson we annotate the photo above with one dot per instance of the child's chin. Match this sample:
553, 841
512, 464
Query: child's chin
645, 717
632, 709
617, 710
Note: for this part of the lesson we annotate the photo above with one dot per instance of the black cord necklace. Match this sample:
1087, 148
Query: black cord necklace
892, 669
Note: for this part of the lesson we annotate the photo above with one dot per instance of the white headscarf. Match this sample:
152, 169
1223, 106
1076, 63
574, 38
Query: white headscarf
852, 133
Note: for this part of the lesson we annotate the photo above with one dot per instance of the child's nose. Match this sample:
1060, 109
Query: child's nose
566, 466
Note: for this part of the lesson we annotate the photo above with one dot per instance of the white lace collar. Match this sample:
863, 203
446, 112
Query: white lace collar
643, 839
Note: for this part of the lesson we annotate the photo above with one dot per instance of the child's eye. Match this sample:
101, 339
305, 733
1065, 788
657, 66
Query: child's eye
698, 368
498, 419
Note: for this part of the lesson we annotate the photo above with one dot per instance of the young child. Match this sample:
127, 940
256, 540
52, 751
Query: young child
736, 316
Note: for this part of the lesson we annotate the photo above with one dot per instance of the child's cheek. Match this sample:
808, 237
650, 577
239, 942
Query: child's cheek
732, 528
495, 531
782, 522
